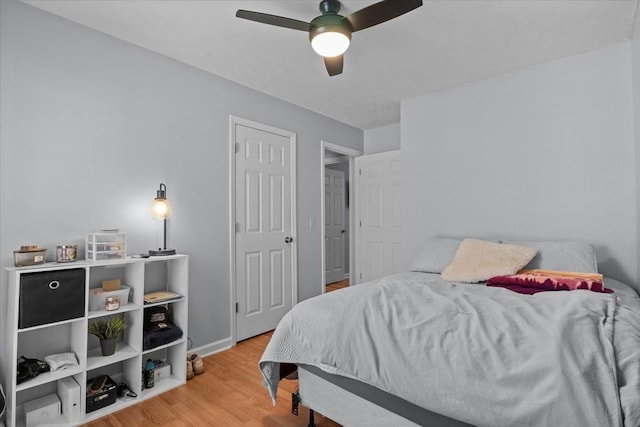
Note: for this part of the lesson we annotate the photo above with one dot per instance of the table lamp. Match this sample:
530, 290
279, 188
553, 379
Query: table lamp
161, 209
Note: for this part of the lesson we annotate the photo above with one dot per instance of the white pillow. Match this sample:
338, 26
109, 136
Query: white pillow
479, 260
436, 254
561, 256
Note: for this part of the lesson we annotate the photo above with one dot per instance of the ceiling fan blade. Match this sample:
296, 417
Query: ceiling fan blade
278, 21
334, 64
380, 12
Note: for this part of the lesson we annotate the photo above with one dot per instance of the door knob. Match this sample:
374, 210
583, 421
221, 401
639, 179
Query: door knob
343, 231
288, 239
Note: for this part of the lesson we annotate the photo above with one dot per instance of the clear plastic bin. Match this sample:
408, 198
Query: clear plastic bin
103, 246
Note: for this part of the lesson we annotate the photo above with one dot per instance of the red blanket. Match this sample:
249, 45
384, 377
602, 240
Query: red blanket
534, 281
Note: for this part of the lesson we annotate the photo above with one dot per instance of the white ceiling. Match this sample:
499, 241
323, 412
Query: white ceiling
439, 45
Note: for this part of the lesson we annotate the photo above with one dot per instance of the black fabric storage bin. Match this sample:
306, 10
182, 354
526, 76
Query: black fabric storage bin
51, 296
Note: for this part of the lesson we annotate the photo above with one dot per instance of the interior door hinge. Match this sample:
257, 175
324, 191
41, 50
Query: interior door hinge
360, 223
237, 148
237, 227
360, 171
236, 307
361, 275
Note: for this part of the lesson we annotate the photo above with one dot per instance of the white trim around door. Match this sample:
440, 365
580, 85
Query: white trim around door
351, 154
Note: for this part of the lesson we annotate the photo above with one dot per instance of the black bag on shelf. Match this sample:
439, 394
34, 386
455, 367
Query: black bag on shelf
30, 368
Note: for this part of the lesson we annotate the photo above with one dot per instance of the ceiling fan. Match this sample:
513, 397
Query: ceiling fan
330, 33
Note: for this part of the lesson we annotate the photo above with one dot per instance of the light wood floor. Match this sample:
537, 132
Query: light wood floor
337, 285
229, 393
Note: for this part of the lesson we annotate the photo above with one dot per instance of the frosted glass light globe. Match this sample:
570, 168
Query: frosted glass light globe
330, 44
160, 208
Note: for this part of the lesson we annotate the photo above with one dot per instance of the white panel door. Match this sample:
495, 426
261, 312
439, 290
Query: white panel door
264, 253
380, 180
334, 227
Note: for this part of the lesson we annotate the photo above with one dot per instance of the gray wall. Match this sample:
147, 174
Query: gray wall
384, 138
90, 125
635, 60
546, 152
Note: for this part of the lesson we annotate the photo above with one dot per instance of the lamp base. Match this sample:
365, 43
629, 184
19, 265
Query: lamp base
162, 252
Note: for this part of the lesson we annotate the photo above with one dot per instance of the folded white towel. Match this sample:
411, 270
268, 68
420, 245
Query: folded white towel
61, 361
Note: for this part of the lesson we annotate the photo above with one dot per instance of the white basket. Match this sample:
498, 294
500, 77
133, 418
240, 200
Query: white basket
97, 297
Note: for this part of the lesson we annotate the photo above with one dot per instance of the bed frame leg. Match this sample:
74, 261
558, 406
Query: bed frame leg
295, 402
311, 420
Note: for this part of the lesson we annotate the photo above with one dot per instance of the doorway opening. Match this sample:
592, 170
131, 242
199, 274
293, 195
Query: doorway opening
338, 216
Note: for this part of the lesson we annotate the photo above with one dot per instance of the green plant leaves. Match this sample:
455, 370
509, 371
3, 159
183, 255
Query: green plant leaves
108, 329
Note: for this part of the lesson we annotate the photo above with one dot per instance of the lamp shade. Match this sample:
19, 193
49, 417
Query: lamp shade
160, 207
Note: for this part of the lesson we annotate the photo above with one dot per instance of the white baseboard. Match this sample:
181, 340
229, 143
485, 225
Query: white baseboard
212, 348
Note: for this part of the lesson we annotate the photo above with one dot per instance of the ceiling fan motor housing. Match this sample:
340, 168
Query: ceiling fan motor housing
330, 6
330, 22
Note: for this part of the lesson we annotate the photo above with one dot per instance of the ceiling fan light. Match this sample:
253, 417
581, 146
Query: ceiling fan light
330, 43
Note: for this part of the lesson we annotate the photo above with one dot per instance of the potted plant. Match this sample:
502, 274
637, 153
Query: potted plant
108, 331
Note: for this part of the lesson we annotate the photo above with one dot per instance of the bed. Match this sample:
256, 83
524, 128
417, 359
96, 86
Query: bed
416, 349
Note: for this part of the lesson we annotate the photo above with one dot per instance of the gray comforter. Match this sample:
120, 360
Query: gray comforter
485, 356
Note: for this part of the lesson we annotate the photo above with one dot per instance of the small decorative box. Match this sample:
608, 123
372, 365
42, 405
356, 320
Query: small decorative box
29, 255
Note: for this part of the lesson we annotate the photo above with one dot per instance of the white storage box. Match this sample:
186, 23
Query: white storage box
106, 245
69, 394
42, 411
97, 297
162, 371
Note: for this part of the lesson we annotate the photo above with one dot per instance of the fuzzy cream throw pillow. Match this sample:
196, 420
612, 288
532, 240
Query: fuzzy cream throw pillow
479, 260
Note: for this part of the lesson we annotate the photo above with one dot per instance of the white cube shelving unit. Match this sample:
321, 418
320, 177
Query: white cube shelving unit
142, 276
